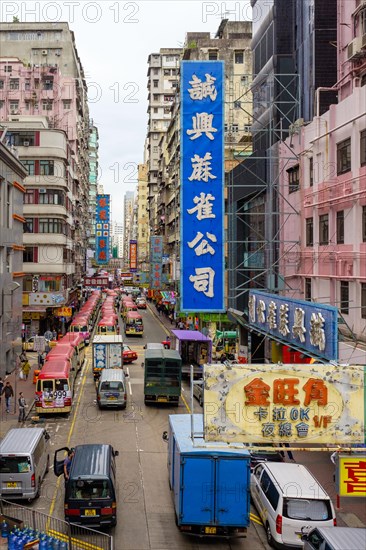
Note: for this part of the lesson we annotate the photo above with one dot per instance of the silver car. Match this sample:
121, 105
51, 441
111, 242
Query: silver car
198, 391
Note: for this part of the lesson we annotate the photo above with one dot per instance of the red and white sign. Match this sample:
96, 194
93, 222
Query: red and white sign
96, 281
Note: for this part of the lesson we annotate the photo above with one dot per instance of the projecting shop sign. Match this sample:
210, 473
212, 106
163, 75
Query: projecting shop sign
102, 222
351, 475
202, 186
284, 403
311, 326
156, 252
133, 256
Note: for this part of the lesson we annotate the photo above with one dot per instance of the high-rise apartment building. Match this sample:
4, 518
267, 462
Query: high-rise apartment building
128, 212
117, 239
143, 232
12, 174
93, 177
32, 85
162, 86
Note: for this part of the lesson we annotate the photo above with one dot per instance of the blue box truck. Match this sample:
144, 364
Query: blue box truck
210, 482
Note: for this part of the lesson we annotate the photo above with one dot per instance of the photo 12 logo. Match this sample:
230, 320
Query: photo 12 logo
54, 12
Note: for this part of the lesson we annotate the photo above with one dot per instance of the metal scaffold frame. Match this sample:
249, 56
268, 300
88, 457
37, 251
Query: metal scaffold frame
271, 103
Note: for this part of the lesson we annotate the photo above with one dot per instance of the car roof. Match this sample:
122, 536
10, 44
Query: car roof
292, 477
344, 537
21, 440
91, 460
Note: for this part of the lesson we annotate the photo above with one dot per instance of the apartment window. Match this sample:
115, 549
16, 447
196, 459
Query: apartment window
293, 178
46, 167
235, 128
364, 224
168, 98
225, 128
363, 300
166, 110
8, 258
156, 71
51, 225
8, 69
30, 254
239, 57
309, 232
28, 226
27, 105
311, 172
324, 229
156, 110
166, 72
14, 106
27, 84
66, 103
1, 84
307, 293
28, 196
344, 297
14, 84
51, 197
344, 156
212, 55
29, 165
340, 227
156, 83
49, 286
237, 104
47, 105
155, 149
1, 104
48, 84
156, 97
363, 145
8, 205
174, 83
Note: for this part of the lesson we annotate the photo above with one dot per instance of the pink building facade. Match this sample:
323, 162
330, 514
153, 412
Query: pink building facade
323, 195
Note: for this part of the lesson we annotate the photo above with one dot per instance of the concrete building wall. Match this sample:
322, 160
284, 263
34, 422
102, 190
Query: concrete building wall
142, 218
12, 175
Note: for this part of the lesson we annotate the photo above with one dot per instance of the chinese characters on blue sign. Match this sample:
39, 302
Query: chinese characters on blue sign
311, 326
102, 229
202, 186
156, 252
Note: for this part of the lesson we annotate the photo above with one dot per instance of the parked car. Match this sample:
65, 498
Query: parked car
289, 498
198, 391
28, 345
335, 538
141, 303
128, 354
259, 455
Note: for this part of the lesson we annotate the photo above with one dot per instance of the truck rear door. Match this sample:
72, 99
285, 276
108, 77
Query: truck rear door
232, 491
197, 499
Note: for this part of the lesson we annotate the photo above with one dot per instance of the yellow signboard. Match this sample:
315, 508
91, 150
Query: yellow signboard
63, 312
284, 403
352, 475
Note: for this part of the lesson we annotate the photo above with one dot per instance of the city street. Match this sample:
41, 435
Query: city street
145, 509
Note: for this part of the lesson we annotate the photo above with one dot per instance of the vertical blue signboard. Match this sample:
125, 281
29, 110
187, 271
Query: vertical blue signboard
102, 224
156, 253
202, 186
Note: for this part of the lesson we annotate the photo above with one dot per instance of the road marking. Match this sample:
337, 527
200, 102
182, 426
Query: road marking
256, 519
53, 501
186, 404
129, 382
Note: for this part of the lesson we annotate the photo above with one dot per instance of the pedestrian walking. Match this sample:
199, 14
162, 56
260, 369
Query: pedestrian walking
1, 387
22, 405
26, 370
8, 393
23, 357
171, 317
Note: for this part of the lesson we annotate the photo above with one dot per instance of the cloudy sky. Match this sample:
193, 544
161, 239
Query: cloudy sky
114, 39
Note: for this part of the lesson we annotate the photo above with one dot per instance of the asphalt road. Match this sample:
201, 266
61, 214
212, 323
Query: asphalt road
145, 508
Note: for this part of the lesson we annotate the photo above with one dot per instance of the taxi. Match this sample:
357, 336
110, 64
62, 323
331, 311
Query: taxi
128, 354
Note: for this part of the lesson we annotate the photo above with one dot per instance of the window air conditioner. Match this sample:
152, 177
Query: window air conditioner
43, 190
354, 49
44, 52
25, 143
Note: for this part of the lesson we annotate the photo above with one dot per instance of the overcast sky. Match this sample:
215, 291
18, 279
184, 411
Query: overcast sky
114, 40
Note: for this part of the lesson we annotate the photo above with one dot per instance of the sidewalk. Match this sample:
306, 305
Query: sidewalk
10, 420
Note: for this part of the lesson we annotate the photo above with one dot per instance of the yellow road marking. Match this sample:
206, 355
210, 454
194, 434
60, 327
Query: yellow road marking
53, 502
185, 403
256, 519
78, 542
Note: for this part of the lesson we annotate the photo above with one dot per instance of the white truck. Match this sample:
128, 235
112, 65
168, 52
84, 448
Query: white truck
107, 353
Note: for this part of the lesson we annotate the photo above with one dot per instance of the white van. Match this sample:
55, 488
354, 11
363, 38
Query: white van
24, 461
288, 498
111, 389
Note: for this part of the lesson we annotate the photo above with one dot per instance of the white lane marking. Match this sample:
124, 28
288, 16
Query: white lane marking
129, 387
57, 428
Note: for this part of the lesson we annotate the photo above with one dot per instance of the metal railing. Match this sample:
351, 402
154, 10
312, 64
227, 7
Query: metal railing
76, 537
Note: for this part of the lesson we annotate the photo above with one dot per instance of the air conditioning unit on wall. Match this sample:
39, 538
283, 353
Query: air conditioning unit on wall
354, 49
44, 52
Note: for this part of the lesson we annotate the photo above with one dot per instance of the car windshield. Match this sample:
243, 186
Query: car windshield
108, 386
307, 509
